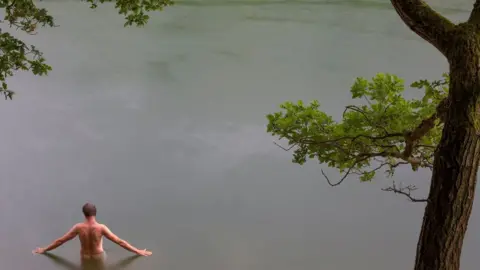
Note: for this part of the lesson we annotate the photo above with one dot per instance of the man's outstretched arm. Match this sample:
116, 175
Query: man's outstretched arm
112, 237
60, 241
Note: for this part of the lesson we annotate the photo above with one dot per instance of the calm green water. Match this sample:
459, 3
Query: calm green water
163, 128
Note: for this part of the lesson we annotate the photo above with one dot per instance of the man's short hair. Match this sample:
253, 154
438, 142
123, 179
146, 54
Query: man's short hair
89, 210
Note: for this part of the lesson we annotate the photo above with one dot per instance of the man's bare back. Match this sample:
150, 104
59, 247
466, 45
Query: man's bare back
90, 233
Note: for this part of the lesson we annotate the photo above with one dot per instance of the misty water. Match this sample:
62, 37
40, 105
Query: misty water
163, 128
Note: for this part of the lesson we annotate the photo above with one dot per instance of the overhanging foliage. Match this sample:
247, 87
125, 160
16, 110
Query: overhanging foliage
382, 131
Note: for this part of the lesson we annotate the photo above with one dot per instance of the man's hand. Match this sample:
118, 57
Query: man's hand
39, 251
144, 253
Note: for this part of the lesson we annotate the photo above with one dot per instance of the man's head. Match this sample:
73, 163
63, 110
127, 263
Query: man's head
89, 210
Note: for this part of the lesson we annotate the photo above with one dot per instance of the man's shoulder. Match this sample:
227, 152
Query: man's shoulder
102, 226
82, 225
77, 227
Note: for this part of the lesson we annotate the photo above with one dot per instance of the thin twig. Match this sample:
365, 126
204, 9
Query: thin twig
406, 191
339, 181
345, 175
284, 148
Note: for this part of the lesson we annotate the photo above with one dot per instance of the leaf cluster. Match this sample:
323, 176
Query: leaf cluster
25, 16
135, 11
372, 135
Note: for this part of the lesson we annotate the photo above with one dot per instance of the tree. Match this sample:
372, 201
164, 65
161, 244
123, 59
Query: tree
24, 15
440, 131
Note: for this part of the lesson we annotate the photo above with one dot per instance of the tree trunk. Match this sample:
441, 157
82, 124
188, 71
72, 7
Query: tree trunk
457, 159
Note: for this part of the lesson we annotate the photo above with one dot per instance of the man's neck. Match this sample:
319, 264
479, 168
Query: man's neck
90, 220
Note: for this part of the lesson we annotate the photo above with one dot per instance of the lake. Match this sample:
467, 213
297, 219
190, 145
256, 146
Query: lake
163, 128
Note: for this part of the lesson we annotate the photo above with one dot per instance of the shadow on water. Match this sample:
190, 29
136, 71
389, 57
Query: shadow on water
91, 264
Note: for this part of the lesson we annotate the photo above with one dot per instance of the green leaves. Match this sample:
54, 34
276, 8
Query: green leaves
15, 55
434, 91
135, 11
25, 16
372, 134
381, 87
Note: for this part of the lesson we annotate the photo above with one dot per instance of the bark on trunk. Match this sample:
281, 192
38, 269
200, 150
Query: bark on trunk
456, 160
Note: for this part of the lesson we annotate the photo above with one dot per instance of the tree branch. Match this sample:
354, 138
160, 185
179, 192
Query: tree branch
425, 22
411, 140
412, 137
339, 181
357, 151
364, 114
284, 148
475, 14
406, 191
349, 170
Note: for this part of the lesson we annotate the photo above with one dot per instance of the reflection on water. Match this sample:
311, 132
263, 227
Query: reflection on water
91, 264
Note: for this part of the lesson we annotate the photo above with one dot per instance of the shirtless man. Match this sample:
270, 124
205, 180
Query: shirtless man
90, 233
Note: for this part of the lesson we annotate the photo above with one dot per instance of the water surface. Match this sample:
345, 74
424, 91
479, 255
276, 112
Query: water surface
163, 127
